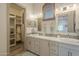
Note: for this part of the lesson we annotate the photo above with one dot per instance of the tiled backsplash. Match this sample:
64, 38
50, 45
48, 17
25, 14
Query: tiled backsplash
65, 35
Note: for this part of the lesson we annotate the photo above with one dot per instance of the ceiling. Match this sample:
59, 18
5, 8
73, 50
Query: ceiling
32, 8
36, 8
59, 5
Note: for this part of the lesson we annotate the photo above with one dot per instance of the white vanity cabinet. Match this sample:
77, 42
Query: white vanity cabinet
37, 46
74, 52
63, 51
27, 43
32, 45
44, 47
53, 46
68, 50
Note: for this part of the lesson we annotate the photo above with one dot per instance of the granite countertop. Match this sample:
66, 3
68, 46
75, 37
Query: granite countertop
57, 39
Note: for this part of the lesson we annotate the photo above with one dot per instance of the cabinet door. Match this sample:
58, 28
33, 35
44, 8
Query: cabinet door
63, 51
54, 48
25, 43
32, 45
73, 52
37, 46
28, 44
44, 47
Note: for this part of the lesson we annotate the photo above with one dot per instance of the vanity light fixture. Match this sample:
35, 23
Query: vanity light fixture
74, 6
64, 8
33, 17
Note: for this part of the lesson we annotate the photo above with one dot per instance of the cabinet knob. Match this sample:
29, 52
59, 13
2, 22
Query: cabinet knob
69, 53
48, 44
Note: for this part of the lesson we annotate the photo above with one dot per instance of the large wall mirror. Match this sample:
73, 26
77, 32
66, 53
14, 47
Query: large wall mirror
66, 22
62, 24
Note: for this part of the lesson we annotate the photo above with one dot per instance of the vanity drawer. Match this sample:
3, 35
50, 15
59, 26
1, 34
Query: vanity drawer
53, 43
37, 46
53, 48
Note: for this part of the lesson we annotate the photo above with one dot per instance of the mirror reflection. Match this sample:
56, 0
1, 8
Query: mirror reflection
65, 20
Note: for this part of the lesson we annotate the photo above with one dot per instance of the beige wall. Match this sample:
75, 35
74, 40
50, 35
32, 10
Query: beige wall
3, 29
77, 18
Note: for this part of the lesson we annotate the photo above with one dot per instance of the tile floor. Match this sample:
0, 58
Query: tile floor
25, 53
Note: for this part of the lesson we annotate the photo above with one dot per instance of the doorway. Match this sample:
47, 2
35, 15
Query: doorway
16, 28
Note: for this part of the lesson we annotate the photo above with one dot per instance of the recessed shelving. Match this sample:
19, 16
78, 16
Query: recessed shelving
15, 29
16, 25
12, 30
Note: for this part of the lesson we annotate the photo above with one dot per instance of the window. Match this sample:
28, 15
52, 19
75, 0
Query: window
62, 24
49, 11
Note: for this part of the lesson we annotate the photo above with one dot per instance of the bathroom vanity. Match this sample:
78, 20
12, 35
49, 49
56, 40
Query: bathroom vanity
52, 46
65, 20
